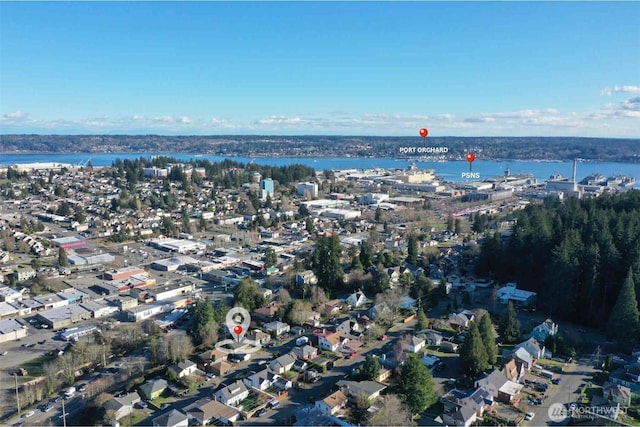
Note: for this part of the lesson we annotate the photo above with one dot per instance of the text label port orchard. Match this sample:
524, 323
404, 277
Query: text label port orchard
424, 150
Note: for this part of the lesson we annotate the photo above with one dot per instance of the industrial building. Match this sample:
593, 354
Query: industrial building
62, 317
11, 330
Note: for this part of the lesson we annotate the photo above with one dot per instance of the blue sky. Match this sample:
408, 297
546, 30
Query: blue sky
478, 68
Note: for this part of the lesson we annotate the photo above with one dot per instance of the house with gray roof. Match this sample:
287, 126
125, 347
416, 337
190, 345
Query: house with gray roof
283, 363
353, 389
173, 418
232, 394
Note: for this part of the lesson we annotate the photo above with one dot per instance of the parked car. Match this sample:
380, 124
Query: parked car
556, 381
529, 416
29, 414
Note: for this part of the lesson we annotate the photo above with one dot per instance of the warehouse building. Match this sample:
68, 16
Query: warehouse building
11, 330
63, 317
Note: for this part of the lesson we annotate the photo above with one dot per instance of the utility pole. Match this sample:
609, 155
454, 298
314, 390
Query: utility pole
15, 377
64, 414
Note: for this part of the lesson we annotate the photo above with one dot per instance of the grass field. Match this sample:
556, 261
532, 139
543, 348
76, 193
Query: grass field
35, 366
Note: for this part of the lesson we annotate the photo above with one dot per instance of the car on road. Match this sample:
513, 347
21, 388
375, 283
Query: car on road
261, 412
164, 406
47, 407
29, 414
556, 381
529, 416
4, 353
42, 342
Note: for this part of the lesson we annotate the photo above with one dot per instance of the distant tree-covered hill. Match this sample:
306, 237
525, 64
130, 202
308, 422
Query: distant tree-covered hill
518, 148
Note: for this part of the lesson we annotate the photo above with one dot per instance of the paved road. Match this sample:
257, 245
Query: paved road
566, 392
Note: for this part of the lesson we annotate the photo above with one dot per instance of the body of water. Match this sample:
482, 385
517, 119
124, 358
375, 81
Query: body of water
448, 170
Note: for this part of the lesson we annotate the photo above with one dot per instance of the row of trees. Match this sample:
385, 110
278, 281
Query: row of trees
478, 351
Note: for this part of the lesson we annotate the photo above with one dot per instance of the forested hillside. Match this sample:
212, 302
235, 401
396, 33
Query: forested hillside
576, 254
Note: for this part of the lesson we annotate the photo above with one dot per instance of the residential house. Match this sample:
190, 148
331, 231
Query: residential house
461, 320
311, 318
514, 370
283, 363
330, 341
261, 380
173, 418
232, 394
332, 403
616, 393
306, 277
259, 337
356, 299
184, 368
153, 388
501, 388
205, 411
414, 345
521, 355
221, 367
350, 327
379, 310
448, 347
300, 365
207, 358
543, 330
383, 375
465, 410
331, 308
431, 337
277, 327
354, 389
123, 405
265, 314
306, 352
533, 347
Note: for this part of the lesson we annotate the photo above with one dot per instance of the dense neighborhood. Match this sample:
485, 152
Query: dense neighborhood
372, 296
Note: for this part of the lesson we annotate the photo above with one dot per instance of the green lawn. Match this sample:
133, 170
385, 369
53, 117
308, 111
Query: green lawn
131, 420
162, 399
249, 403
549, 362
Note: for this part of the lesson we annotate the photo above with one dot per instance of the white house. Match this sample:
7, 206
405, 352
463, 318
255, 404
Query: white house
232, 394
332, 403
415, 345
533, 347
283, 363
331, 341
357, 299
261, 380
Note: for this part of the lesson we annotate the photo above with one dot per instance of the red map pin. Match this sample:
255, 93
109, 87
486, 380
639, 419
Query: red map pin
237, 329
424, 132
470, 158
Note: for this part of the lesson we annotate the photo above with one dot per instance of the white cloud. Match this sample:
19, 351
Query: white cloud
608, 91
15, 116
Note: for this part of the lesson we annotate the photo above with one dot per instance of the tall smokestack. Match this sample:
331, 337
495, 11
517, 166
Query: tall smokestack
575, 168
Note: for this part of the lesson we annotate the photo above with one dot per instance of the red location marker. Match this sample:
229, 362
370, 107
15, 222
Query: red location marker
470, 158
424, 132
237, 329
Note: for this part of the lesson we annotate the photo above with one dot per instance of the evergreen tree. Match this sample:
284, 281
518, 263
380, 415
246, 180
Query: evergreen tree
326, 262
366, 254
412, 249
488, 339
422, 321
473, 356
624, 321
378, 215
270, 258
370, 368
415, 385
63, 260
509, 328
203, 313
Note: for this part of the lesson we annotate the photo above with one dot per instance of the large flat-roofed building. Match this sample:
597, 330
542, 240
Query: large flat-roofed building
90, 259
172, 264
49, 301
62, 317
123, 273
99, 310
164, 292
11, 330
8, 294
8, 310
180, 246
68, 242
142, 312
341, 214
73, 295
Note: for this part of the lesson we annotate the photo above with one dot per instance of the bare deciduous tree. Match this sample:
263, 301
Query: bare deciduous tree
392, 413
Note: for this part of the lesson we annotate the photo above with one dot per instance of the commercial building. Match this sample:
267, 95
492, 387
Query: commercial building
180, 246
123, 273
142, 312
62, 317
307, 188
68, 242
8, 294
172, 264
164, 292
11, 330
266, 188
